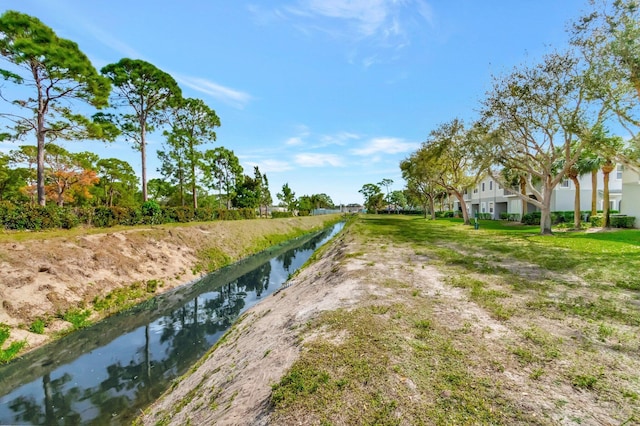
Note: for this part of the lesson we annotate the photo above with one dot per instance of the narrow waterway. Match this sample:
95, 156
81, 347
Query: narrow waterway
108, 373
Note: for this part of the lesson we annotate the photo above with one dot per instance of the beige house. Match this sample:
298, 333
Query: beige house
490, 197
631, 194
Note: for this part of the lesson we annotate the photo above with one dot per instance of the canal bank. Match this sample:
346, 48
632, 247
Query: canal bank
107, 373
46, 275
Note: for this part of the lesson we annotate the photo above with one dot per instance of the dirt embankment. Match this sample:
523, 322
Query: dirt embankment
42, 277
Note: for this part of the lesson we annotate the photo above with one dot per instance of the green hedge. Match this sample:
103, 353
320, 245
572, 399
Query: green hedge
20, 217
277, 215
615, 221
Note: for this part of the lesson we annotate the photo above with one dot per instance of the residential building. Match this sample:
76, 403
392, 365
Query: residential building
490, 197
631, 194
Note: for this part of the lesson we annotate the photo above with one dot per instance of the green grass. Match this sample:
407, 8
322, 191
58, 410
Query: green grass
576, 280
10, 352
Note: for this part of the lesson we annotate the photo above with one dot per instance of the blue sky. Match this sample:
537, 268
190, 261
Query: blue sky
325, 95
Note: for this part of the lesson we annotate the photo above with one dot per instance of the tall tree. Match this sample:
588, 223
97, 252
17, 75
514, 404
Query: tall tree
193, 123
541, 115
11, 179
386, 183
59, 75
150, 92
118, 181
287, 197
452, 162
173, 164
247, 193
418, 171
222, 171
373, 197
608, 37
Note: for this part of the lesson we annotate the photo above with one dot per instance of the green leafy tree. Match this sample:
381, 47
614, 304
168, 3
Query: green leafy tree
12, 179
59, 75
287, 197
149, 92
247, 193
222, 171
373, 197
398, 199
160, 190
322, 201
608, 38
118, 181
418, 171
386, 183
264, 195
540, 116
451, 162
172, 165
193, 123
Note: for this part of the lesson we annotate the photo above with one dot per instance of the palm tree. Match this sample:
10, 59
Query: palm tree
581, 167
607, 168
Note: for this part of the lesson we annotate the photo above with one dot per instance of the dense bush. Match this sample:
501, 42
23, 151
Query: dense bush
151, 213
596, 220
532, 218
621, 221
21, 217
36, 217
277, 215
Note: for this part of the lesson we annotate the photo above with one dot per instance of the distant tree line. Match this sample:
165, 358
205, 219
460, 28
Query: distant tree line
52, 85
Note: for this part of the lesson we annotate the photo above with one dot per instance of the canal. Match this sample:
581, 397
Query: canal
106, 374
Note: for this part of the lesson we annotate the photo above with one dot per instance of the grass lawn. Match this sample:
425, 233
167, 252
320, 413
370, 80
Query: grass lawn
460, 326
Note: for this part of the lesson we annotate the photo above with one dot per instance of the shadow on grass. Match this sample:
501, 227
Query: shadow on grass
558, 252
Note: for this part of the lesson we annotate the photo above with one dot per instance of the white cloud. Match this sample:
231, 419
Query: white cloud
294, 141
318, 160
385, 146
340, 138
385, 20
270, 166
224, 94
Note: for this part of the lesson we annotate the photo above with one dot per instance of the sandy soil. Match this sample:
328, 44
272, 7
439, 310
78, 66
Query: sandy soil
41, 277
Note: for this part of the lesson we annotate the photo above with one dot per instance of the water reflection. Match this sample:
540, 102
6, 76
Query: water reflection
106, 374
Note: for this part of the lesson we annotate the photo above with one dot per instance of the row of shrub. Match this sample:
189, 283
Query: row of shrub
21, 217
616, 220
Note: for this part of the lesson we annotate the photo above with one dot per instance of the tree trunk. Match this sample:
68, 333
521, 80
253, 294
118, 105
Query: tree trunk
433, 208
545, 210
594, 192
523, 191
143, 152
576, 203
606, 169
193, 184
40, 136
465, 214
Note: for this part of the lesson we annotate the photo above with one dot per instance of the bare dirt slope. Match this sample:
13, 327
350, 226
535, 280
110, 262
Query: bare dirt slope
41, 277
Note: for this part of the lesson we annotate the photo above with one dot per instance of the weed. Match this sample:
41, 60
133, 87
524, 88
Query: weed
9, 353
79, 318
37, 326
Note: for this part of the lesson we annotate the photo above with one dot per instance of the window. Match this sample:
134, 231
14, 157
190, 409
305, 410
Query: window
619, 171
490, 185
490, 207
475, 190
565, 183
482, 186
